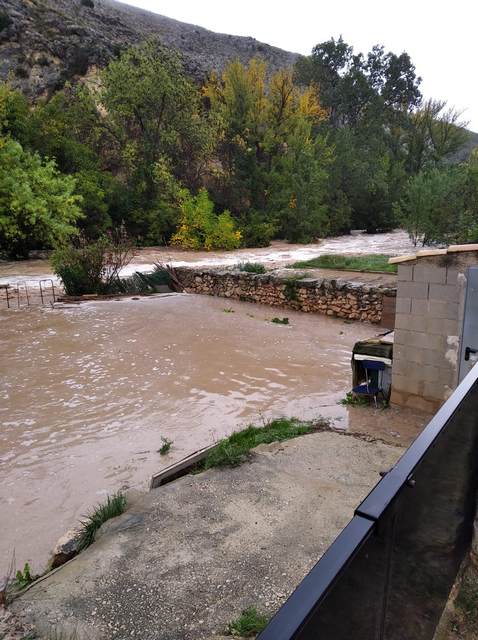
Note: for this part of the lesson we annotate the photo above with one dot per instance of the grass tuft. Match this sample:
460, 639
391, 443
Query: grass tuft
248, 624
353, 400
291, 288
23, 578
166, 446
280, 320
370, 262
233, 450
114, 506
251, 267
142, 283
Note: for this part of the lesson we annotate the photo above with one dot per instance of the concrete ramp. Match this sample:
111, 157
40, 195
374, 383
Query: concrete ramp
188, 557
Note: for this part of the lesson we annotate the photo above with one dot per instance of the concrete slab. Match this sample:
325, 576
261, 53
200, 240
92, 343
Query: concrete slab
188, 557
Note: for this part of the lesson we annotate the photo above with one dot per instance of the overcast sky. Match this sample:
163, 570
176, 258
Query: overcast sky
441, 37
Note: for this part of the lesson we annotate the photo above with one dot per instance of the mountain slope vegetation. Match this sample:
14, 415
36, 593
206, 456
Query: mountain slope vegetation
47, 42
221, 144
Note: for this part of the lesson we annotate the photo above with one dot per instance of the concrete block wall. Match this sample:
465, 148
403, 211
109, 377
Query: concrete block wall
428, 322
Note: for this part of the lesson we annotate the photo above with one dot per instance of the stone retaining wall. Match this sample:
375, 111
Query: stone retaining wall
332, 297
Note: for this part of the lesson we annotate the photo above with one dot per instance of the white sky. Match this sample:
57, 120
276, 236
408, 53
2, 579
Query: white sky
441, 37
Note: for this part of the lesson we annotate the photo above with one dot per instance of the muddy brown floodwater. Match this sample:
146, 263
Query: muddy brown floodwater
277, 254
87, 392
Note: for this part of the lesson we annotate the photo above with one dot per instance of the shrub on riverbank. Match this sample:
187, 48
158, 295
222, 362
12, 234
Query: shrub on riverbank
93, 267
372, 262
201, 228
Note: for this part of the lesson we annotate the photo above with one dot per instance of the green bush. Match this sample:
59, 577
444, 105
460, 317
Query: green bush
93, 267
257, 230
142, 283
291, 289
80, 267
201, 228
38, 206
251, 267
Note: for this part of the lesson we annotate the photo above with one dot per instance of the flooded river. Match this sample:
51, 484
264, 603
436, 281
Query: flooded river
87, 392
277, 254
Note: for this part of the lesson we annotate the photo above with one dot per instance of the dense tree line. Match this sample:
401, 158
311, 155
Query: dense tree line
341, 141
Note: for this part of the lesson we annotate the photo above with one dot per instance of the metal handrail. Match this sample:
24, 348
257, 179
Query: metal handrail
22, 286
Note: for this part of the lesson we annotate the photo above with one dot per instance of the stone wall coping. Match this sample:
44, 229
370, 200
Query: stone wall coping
423, 253
280, 278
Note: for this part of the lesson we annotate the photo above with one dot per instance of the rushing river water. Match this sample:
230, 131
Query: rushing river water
87, 392
394, 243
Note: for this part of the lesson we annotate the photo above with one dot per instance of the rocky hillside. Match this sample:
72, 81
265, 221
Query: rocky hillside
45, 42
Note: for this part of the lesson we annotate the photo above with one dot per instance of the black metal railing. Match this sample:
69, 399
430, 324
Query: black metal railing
389, 573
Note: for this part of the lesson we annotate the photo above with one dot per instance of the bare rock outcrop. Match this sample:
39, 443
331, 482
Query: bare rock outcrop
43, 43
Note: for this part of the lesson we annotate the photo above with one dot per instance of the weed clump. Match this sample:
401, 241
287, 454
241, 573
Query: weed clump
233, 450
291, 289
251, 267
280, 320
353, 400
166, 446
248, 624
23, 578
114, 506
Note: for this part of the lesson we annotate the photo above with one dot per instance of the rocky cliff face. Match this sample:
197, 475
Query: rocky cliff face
45, 42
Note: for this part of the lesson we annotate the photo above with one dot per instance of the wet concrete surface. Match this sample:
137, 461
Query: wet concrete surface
187, 558
87, 392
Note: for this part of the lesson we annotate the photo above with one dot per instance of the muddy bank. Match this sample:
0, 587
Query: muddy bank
88, 392
187, 558
277, 254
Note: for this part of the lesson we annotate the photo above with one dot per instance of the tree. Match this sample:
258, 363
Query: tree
155, 111
434, 134
356, 88
370, 100
38, 205
433, 206
272, 171
299, 187
154, 114
14, 113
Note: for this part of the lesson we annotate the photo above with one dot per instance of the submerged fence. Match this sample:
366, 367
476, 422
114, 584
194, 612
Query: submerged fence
26, 293
388, 574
